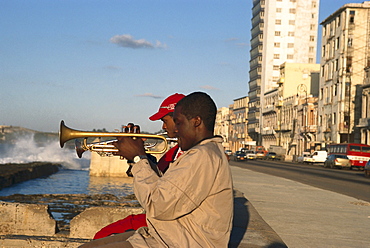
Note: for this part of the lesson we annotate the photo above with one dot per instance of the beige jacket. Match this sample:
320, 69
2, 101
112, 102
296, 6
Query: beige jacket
191, 205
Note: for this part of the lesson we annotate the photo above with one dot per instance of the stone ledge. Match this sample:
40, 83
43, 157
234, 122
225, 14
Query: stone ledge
26, 219
16, 173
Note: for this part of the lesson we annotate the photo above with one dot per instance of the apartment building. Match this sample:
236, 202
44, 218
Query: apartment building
364, 122
238, 133
282, 31
290, 112
345, 55
222, 125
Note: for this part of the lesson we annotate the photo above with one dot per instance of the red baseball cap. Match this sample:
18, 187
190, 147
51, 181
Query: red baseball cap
167, 106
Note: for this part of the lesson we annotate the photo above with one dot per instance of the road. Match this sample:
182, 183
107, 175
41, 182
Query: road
347, 182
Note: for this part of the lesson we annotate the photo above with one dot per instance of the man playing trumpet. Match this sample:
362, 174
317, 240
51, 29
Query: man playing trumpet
165, 114
191, 205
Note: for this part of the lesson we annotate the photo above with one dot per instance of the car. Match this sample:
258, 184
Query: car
272, 156
260, 155
367, 169
239, 155
337, 160
250, 155
305, 156
229, 152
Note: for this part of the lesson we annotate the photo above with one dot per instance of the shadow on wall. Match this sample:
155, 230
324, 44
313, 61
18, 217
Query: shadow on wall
240, 220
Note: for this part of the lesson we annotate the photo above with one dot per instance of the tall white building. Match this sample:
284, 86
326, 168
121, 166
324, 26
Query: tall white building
282, 31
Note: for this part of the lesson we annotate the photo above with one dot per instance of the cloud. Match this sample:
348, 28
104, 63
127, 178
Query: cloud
231, 39
150, 95
126, 40
208, 87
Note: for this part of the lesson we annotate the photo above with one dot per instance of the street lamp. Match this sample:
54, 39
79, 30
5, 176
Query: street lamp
302, 88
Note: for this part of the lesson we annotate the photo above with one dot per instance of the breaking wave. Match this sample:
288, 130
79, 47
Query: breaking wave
24, 150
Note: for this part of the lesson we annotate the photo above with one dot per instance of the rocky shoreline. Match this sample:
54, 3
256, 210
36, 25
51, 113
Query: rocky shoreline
63, 207
16, 173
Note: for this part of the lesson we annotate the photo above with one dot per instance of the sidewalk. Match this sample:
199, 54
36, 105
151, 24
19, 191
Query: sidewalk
305, 216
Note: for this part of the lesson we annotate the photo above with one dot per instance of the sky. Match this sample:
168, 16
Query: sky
102, 64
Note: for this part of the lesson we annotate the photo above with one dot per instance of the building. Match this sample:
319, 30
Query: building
344, 56
282, 31
290, 112
238, 134
364, 122
222, 125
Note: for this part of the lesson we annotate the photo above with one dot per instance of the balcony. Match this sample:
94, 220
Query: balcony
364, 122
310, 129
268, 109
268, 132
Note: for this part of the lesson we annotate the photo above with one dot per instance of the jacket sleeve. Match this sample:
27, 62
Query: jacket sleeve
182, 188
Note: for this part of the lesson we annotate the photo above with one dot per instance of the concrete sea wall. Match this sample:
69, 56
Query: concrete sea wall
16, 173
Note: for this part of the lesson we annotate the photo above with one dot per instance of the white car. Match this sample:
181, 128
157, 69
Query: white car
251, 155
304, 158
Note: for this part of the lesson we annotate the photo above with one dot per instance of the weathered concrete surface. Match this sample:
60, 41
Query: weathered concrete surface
39, 242
15, 173
66, 206
90, 221
249, 229
26, 219
107, 166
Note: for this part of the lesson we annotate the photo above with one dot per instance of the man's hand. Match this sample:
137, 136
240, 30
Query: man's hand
129, 147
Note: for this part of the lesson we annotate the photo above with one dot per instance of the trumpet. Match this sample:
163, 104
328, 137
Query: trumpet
66, 134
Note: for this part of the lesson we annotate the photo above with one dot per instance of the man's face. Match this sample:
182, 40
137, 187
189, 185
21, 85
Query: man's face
169, 126
184, 130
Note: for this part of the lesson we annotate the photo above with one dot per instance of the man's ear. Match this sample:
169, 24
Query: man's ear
197, 121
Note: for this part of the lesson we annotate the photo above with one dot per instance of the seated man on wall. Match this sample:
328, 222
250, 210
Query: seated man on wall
165, 113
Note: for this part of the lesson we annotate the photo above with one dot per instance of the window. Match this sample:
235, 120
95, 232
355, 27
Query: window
312, 27
312, 38
352, 16
277, 33
276, 44
278, 22
276, 67
311, 49
323, 51
276, 56
289, 56
291, 22
337, 44
313, 4
278, 10
290, 45
350, 41
292, 11
310, 60
349, 64
322, 71
334, 118
291, 34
